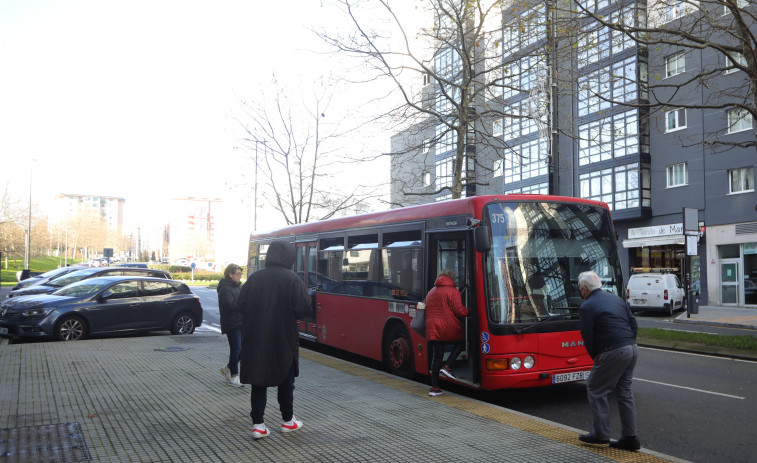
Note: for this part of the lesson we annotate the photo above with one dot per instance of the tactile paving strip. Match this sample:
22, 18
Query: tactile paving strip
59, 443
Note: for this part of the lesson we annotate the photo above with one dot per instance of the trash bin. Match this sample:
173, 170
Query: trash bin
692, 302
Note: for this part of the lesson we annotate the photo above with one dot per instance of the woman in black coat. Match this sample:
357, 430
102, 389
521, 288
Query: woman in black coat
271, 301
231, 320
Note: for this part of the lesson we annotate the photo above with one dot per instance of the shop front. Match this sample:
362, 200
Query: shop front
734, 261
662, 248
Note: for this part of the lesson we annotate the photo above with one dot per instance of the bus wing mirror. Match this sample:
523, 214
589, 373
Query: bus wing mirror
481, 238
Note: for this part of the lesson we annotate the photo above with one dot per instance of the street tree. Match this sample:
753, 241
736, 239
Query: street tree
458, 112
294, 149
700, 41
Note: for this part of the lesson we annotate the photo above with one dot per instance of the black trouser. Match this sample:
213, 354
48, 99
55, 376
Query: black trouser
259, 396
437, 355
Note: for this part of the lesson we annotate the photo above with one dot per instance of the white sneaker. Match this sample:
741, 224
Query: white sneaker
292, 425
226, 373
234, 381
260, 431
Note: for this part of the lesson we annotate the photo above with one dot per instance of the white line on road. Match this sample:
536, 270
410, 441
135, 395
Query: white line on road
209, 327
690, 388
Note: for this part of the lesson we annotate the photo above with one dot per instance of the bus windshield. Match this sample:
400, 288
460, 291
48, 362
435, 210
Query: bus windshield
538, 250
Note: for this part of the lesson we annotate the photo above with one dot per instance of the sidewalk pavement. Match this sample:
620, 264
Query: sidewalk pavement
732, 317
161, 398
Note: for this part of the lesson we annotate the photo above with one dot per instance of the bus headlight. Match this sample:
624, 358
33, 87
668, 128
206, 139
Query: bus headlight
515, 363
529, 361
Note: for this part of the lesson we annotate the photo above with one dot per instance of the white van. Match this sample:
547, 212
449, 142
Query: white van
655, 292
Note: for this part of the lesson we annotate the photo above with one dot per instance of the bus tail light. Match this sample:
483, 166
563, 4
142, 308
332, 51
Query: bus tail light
496, 364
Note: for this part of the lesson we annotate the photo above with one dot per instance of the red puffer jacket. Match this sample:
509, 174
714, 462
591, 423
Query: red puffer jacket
443, 307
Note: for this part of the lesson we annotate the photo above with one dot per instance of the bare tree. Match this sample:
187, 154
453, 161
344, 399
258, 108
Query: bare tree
696, 42
467, 77
296, 148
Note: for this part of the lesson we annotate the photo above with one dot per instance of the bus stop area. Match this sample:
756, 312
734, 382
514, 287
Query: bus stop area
161, 398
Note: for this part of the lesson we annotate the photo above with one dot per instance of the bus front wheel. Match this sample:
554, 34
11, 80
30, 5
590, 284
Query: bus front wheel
399, 352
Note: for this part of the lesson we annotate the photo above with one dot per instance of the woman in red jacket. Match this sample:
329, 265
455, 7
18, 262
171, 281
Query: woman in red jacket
444, 307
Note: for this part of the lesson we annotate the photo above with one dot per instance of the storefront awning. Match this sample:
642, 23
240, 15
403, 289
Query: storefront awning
654, 241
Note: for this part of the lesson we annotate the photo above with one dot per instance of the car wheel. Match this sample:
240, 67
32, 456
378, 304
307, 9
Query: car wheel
399, 352
71, 328
183, 324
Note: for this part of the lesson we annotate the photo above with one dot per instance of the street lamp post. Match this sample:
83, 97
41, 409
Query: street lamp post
27, 251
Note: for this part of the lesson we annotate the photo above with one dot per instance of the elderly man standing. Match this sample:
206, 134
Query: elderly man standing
609, 331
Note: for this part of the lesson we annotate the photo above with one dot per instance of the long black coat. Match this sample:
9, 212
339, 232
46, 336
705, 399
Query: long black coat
228, 294
271, 301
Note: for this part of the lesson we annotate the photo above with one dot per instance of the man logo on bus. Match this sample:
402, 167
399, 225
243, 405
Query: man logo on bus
572, 344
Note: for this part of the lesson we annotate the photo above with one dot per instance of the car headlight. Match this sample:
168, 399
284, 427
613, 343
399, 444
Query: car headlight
39, 312
529, 361
515, 363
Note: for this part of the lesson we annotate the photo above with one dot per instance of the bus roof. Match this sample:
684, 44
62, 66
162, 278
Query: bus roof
466, 206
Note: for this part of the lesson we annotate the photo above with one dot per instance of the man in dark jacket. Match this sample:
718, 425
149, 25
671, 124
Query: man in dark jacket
609, 331
271, 302
231, 320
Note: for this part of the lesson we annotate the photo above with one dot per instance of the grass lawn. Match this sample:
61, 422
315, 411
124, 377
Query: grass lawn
699, 342
43, 264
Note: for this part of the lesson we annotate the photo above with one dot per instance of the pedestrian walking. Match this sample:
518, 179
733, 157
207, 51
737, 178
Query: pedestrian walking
609, 332
444, 308
271, 301
231, 320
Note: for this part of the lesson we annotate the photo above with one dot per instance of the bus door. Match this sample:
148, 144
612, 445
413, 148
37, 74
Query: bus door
454, 251
306, 269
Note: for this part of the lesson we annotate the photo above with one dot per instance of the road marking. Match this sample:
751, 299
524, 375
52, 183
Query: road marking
690, 388
209, 327
695, 354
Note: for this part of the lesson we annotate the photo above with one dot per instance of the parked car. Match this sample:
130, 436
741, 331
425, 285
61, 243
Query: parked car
45, 277
63, 280
655, 292
114, 304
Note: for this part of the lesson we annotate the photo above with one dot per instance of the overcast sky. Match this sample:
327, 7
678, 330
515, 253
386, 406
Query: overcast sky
135, 98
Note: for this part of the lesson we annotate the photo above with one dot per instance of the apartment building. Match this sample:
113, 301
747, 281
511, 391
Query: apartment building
598, 138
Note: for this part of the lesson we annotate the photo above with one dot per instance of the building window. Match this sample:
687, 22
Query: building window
497, 128
608, 138
427, 179
739, 4
674, 9
599, 186
613, 84
675, 64
498, 168
741, 180
730, 64
678, 175
536, 189
524, 161
675, 120
739, 119
444, 171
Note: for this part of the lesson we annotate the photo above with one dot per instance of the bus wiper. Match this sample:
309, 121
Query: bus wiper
561, 316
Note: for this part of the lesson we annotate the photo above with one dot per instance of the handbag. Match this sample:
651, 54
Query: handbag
418, 324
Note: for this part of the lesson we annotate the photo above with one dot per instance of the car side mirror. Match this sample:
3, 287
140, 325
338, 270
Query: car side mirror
104, 296
481, 238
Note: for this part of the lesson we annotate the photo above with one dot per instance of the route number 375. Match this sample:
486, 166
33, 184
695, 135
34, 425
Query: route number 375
498, 218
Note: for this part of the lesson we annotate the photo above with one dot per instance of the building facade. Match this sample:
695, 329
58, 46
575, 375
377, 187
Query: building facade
598, 138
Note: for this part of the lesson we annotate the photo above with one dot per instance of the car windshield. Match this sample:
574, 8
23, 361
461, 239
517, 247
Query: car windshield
82, 288
54, 272
538, 250
67, 279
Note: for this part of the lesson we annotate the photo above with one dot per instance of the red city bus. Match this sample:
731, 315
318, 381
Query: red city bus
517, 259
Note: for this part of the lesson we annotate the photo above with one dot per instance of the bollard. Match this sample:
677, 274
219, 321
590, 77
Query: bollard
692, 303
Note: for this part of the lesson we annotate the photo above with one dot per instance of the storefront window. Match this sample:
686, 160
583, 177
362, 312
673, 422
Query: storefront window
729, 251
750, 273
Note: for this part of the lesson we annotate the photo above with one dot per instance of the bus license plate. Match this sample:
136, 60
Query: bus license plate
3, 330
570, 377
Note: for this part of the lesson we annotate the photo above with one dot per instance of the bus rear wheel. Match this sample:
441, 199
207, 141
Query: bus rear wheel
399, 352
